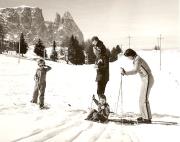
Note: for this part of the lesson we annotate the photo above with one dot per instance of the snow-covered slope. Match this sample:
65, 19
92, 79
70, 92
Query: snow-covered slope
68, 93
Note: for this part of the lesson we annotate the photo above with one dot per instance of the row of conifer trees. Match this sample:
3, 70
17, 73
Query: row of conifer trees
77, 53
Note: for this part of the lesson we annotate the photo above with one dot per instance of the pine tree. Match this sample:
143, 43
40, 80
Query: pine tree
156, 47
75, 52
23, 45
39, 49
54, 54
61, 52
118, 49
16, 46
113, 55
71, 50
3, 31
80, 55
1, 38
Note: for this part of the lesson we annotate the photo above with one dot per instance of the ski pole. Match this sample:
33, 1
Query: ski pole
92, 102
120, 93
121, 96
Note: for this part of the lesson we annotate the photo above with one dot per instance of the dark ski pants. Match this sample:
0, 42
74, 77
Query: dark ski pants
101, 86
95, 116
39, 90
147, 83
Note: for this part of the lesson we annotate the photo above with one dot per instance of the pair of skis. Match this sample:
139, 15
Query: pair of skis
135, 122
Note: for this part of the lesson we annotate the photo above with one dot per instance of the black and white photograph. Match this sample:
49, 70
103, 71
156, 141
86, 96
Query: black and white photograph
89, 71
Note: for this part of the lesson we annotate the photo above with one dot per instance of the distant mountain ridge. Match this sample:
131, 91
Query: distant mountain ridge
30, 21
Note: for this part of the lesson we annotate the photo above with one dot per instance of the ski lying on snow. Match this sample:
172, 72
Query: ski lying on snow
134, 122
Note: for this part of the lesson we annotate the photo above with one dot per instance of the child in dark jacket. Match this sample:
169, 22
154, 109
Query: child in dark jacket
103, 111
40, 85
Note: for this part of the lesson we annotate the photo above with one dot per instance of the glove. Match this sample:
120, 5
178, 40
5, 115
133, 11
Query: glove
93, 97
123, 72
35, 78
99, 61
102, 107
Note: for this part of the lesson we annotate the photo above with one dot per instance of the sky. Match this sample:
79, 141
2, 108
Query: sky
114, 20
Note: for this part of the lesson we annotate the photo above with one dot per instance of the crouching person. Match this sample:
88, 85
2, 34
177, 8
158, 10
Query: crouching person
40, 83
100, 115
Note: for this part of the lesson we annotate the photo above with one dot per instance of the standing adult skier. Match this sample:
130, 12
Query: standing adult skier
40, 85
101, 64
141, 67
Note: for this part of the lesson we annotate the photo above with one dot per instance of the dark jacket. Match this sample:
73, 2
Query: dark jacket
102, 62
103, 113
102, 68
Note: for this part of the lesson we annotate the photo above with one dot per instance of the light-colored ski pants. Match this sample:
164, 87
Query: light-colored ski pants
147, 83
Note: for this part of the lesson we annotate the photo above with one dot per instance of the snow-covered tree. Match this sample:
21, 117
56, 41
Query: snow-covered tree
39, 49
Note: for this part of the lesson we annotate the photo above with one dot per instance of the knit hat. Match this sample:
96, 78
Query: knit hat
95, 38
41, 61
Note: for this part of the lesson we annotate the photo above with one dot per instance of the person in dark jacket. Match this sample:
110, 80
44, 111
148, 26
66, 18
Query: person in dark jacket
101, 64
40, 85
100, 115
142, 68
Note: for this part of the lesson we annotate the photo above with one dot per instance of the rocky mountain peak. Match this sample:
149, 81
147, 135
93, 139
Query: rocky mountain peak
57, 20
30, 21
67, 15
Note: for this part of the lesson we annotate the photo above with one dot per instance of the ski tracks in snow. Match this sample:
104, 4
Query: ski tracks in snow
40, 135
73, 128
